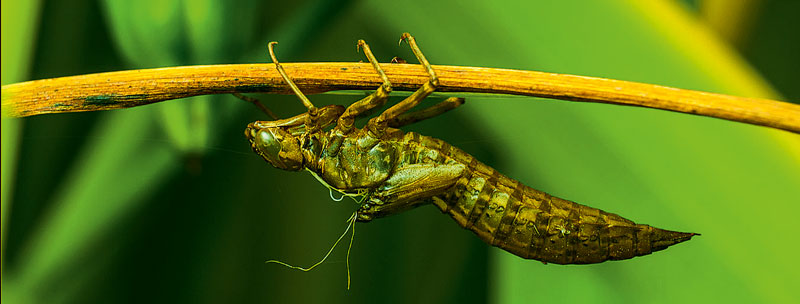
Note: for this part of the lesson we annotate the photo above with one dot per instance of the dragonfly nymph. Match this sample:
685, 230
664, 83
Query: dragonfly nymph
397, 171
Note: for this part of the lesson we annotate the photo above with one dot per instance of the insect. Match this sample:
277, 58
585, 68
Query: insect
395, 171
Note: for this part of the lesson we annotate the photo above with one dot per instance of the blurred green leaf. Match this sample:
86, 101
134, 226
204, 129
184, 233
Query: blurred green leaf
148, 33
154, 32
99, 193
18, 25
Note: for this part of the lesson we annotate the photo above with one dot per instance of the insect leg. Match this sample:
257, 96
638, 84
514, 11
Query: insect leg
312, 110
257, 103
376, 99
379, 124
325, 115
434, 110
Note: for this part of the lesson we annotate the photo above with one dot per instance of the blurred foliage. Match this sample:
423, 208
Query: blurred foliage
165, 203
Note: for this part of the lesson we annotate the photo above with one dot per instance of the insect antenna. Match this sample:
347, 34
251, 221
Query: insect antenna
351, 225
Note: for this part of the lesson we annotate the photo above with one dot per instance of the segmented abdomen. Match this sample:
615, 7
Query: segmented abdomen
535, 225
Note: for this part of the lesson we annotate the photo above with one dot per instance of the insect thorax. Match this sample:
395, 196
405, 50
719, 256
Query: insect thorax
350, 163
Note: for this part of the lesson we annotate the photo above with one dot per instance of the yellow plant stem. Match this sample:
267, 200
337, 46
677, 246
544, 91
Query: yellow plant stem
124, 89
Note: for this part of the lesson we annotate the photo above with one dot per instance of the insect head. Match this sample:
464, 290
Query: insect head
276, 145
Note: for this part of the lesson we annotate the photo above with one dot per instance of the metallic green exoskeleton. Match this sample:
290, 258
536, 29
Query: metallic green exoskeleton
397, 171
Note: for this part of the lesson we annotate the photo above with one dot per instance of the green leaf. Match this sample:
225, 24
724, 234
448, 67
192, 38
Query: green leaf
18, 26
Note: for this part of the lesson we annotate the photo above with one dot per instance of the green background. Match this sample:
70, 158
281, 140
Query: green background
166, 203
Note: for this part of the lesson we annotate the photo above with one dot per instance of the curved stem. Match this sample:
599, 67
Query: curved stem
124, 89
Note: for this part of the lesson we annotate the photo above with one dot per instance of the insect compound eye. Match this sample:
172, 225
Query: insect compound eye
277, 147
266, 143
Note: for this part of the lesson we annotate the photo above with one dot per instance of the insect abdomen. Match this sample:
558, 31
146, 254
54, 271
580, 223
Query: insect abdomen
535, 225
